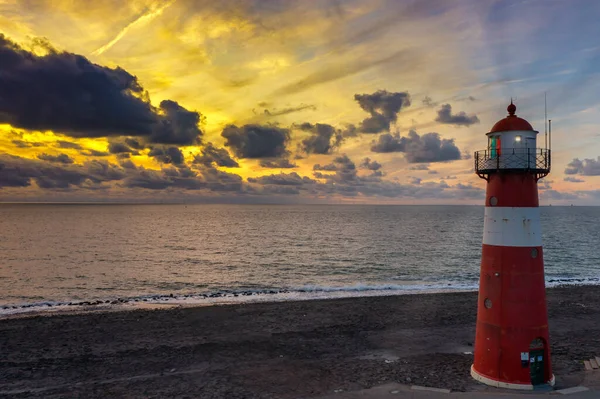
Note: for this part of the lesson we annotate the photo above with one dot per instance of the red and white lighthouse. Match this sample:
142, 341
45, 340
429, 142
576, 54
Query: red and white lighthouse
511, 340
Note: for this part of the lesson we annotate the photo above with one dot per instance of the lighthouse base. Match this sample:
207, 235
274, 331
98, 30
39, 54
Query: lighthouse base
502, 384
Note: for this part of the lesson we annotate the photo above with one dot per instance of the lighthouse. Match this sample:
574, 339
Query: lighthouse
511, 340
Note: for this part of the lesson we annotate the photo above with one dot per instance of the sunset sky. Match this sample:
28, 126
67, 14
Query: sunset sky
290, 101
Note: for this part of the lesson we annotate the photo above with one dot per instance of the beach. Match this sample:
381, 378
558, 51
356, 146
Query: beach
298, 349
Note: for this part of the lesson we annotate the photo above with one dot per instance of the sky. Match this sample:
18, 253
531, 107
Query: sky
281, 101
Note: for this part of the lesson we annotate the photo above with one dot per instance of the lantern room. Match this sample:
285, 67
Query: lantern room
512, 146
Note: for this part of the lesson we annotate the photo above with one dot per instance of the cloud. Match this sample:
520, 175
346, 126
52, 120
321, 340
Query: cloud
587, 167
461, 119
573, 179
289, 110
422, 166
329, 167
66, 93
343, 166
94, 153
68, 145
282, 179
61, 158
256, 141
20, 172
371, 165
429, 147
324, 138
383, 107
167, 155
389, 143
218, 156
557, 195
280, 163
183, 178
338, 71
26, 144
428, 102
154, 11
120, 148
176, 126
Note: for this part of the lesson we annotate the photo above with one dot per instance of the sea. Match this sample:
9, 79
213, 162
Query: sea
70, 256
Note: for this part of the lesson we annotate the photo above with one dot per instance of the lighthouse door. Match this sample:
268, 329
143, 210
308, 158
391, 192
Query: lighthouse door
536, 361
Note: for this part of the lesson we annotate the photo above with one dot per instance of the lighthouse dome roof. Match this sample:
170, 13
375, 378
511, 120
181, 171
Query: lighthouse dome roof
511, 122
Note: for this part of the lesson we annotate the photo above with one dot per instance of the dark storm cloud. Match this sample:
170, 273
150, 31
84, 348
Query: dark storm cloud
282, 179
383, 107
104, 171
460, 119
389, 143
127, 164
256, 141
280, 163
120, 148
371, 165
20, 172
587, 167
201, 178
133, 143
167, 155
429, 147
345, 169
61, 158
573, 179
329, 167
68, 145
176, 126
213, 155
324, 138
94, 153
65, 92
26, 144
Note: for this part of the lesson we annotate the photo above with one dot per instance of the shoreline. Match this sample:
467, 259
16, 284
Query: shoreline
220, 298
275, 349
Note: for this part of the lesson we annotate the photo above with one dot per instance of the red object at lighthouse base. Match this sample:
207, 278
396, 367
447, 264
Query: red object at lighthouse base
511, 340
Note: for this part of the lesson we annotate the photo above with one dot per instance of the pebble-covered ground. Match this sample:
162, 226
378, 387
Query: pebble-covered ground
273, 350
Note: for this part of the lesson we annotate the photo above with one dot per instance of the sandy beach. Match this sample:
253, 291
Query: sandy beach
273, 350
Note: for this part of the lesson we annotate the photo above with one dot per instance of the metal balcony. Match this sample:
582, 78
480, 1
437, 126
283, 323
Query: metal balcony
513, 160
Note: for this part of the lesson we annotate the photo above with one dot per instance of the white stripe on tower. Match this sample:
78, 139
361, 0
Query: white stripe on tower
512, 227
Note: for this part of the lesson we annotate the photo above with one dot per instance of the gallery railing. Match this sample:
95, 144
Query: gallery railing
528, 160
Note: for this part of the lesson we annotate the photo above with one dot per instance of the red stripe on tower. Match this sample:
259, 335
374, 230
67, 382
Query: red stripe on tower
511, 341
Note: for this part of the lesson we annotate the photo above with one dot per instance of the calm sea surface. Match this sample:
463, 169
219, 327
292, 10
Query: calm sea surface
54, 254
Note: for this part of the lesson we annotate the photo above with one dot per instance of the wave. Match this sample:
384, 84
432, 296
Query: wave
306, 292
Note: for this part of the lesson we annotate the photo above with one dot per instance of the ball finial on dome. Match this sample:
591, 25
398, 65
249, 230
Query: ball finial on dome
512, 108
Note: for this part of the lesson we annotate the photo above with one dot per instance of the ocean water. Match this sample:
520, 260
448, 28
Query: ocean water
53, 255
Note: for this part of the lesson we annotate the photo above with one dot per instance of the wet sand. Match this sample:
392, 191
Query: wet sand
273, 350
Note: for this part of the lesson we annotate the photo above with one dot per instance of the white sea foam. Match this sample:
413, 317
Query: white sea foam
302, 293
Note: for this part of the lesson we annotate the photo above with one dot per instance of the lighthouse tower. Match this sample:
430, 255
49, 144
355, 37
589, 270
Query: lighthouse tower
511, 340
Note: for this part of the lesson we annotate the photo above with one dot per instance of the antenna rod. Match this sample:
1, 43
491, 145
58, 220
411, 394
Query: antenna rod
545, 121
550, 134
